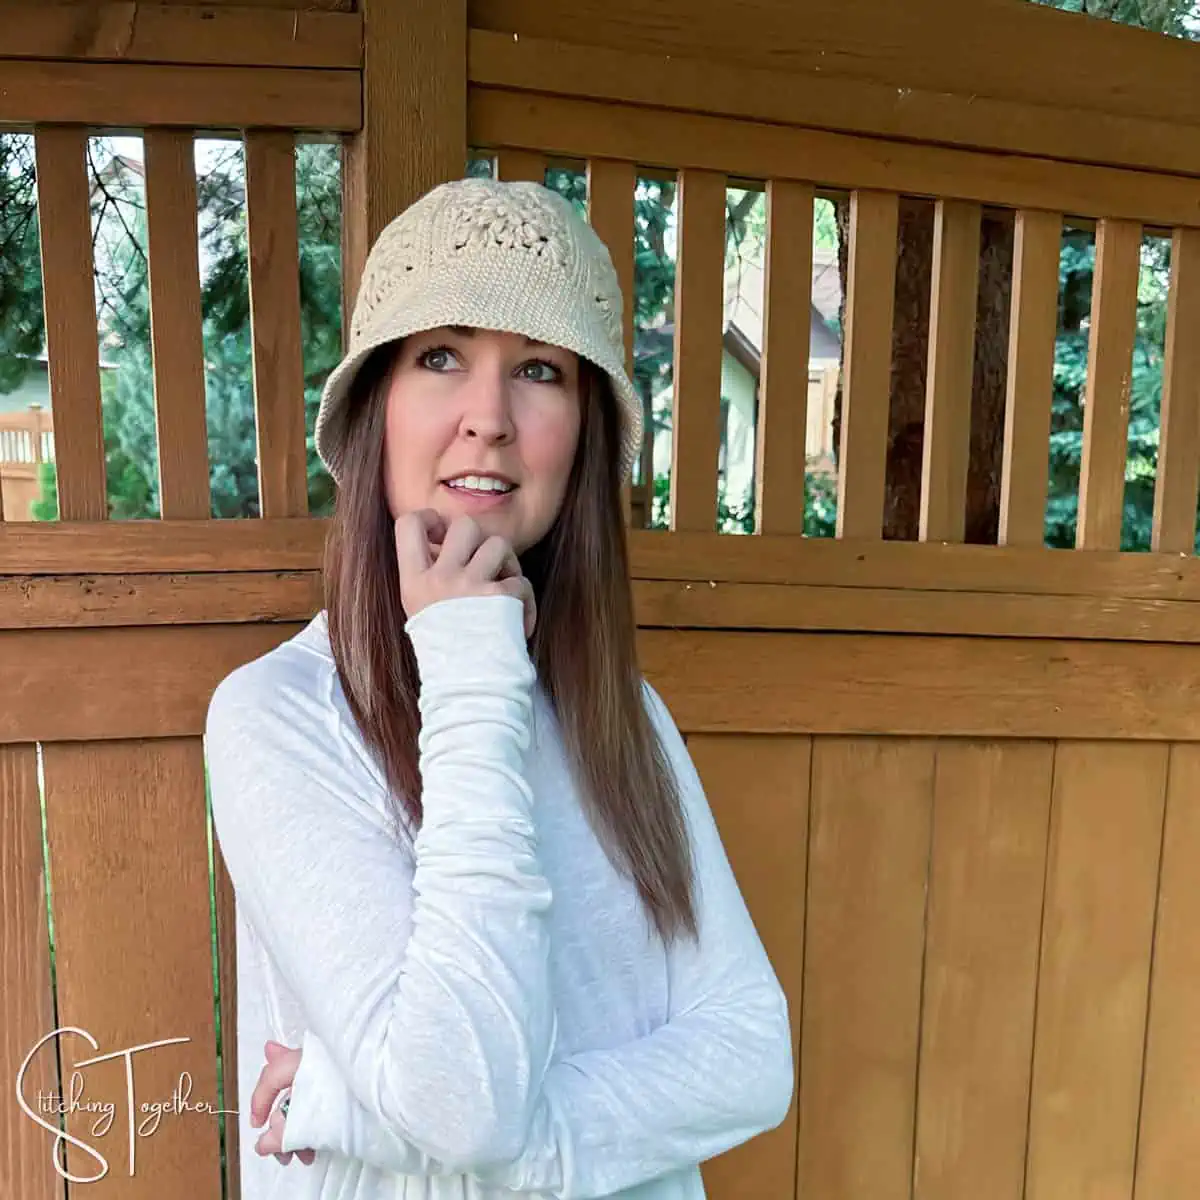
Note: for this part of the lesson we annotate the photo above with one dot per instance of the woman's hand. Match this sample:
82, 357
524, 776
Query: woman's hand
440, 563
281, 1068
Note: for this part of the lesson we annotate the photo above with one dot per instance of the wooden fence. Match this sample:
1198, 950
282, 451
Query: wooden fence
959, 783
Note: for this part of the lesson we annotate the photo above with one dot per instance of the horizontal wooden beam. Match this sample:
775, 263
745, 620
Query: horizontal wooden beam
134, 95
835, 102
154, 33
136, 547
240, 597
573, 128
156, 681
90, 549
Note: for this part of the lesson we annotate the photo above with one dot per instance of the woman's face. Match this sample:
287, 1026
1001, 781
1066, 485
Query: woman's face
483, 424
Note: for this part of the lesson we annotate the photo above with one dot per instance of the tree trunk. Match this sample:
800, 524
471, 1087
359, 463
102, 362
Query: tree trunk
910, 348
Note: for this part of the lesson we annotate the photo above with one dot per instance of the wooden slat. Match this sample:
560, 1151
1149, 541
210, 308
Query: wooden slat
868, 860
757, 150
947, 441
72, 341
990, 824
1101, 886
134, 956
1174, 527
1168, 1162
275, 323
699, 305
92, 601
631, 74
1109, 381
156, 681
758, 790
153, 33
179, 400
867, 358
283, 544
521, 165
1033, 322
162, 677
611, 187
413, 119
226, 915
781, 427
128, 95
220, 597
25, 1166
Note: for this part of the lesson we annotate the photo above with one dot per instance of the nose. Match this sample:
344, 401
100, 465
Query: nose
487, 409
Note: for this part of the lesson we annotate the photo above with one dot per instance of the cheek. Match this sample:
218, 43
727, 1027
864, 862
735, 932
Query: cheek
413, 439
550, 443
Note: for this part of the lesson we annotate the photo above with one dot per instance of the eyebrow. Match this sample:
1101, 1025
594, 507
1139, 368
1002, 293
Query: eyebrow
468, 331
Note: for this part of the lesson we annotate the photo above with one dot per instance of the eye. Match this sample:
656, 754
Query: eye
540, 370
436, 358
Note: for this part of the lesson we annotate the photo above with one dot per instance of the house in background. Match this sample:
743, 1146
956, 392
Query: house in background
741, 370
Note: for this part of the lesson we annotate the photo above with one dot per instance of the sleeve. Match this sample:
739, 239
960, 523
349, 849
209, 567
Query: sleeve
719, 1072
423, 971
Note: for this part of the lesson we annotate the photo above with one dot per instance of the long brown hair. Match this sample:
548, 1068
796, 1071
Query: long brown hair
584, 646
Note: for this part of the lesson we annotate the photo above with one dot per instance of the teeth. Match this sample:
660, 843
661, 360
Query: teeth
479, 483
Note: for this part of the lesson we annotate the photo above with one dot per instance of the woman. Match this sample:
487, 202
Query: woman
480, 891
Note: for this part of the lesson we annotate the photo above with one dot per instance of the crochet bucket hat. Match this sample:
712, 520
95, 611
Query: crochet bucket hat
510, 257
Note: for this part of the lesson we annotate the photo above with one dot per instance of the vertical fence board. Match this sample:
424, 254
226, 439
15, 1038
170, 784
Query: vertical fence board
758, 789
175, 324
72, 340
991, 814
867, 359
1168, 1166
226, 915
521, 165
781, 431
610, 194
1109, 379
1102, 879
947, 441
129, 875
1174, 529
868, 863
25, 1164
699, 309
275, 323
1033, 324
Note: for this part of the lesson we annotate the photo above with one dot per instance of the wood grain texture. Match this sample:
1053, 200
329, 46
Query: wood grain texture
781, 425
990, 826
226, 917
72, 342
129, 95
758, 789
1105, 841
850, 103
1033, 322
25, 1165
867, 357
175, 324
868, 864
414, 119
758, 150
1109, 386
699, 307
128, 855
275, 324
516, 165
157, 33
1168, 1160
947, 441
1174, 527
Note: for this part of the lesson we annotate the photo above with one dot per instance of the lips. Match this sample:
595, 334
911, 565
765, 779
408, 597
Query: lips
480, 483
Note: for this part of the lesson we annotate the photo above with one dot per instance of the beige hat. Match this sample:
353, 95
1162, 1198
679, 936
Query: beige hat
503, 256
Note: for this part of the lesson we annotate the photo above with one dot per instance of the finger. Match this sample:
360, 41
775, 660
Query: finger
522, 589
493, 560
274, 1077
412, 545
462, 539
435, 525
306, 1156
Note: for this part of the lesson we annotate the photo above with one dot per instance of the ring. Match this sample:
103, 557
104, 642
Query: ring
283, 1105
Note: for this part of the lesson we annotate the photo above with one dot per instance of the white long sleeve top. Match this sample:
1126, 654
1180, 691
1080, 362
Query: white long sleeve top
483, 1006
